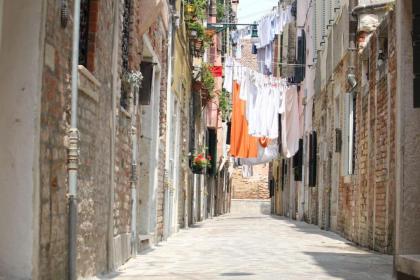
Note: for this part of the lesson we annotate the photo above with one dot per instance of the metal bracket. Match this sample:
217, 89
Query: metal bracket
133, 173
73, 150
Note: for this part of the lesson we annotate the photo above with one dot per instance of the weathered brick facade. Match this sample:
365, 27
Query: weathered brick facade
255, 187
94, 113
362, 208
368, 201
354, 192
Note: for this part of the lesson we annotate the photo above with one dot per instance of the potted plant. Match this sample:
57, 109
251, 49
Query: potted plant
196, 30
199, 163
190, 9
196, 8
207, 78
225, 107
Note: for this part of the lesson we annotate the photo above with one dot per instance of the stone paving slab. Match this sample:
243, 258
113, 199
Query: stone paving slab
255, 247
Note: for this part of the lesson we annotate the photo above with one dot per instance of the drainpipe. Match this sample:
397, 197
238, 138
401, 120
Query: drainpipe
167, 212
115, 76
134, 92
352, 38
73, 149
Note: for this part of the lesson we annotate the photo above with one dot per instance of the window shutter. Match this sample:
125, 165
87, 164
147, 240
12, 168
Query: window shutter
301, 58
338, 140
283, 173
324, 20
312, 159
315, 29
298, 161
416, 53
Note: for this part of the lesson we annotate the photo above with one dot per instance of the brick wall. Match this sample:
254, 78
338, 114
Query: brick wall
93, 113
367, 201
255, 187
362, 210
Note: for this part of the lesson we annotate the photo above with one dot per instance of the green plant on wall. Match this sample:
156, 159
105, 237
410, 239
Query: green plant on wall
200, 8
225, 106
220, 11
198, 28
207, 78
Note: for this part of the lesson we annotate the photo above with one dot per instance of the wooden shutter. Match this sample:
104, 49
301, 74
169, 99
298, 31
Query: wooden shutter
312, 159
416, 53
298, 161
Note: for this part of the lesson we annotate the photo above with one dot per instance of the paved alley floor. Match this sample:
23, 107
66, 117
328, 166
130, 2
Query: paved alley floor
256, 247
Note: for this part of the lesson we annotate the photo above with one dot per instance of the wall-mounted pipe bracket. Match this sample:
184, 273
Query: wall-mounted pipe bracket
73, 159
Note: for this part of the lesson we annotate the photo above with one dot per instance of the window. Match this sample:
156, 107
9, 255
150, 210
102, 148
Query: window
88, 20
125, 44
349, 134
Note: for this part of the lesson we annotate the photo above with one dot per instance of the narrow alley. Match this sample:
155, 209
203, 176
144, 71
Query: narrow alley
209, 139
251, 244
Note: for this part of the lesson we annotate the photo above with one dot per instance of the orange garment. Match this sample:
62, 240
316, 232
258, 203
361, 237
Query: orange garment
242, 145
264, 141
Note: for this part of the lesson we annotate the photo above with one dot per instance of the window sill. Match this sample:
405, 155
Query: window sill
88, 84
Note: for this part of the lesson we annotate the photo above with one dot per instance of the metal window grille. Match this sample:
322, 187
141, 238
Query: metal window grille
125, 43
84, 32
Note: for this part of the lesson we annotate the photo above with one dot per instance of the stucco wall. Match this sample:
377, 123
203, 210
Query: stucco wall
20, 60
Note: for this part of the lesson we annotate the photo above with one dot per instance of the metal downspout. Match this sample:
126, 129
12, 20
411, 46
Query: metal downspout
73, 149
110, 257
167, 212
352, 38
134, 92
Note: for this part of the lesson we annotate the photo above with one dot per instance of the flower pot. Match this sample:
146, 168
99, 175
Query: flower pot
190, 9
198, 44
193, 33
197, 86
197, 169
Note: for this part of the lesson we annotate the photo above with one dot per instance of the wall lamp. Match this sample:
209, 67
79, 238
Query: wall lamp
351, 79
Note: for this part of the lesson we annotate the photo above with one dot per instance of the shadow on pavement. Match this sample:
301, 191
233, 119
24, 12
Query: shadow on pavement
354, 266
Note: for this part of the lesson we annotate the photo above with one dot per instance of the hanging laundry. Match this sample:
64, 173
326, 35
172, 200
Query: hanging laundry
247, 171
228, 71
265, 155
242, 145
268, 27
290, 122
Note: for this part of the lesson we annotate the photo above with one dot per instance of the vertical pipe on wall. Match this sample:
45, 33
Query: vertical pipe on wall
73, 149
134, 92
115, 51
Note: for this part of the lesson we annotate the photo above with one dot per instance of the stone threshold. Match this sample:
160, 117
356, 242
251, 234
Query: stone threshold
408, 264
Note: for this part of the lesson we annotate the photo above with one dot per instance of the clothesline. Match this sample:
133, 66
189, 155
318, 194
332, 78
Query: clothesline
268, 26
273, 63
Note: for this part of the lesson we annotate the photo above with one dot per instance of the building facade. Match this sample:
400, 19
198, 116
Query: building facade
357, 87
129, 144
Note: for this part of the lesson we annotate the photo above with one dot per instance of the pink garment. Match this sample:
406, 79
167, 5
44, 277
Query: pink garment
301, 113
290, 122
